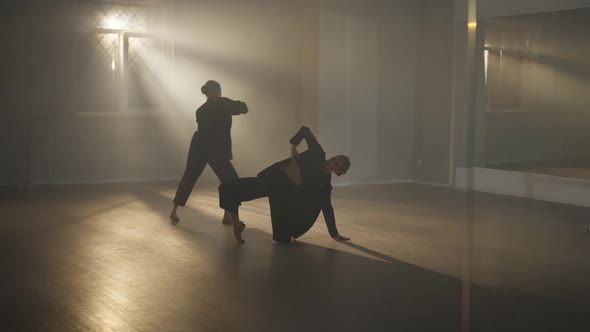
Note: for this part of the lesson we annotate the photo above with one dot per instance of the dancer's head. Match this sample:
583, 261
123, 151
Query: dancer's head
211, 89
339, 165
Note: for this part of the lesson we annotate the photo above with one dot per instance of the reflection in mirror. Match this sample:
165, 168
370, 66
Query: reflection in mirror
536, 73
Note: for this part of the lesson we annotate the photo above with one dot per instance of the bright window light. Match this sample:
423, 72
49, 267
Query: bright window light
114, 24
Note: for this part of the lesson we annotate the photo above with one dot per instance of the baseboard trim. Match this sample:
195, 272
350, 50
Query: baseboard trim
107, 181
366, 183
433, 184
527, 185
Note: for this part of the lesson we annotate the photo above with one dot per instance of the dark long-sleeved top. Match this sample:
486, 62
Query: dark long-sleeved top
214, 119
304, 203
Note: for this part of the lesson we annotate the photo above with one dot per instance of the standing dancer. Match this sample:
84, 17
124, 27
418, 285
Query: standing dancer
211, 144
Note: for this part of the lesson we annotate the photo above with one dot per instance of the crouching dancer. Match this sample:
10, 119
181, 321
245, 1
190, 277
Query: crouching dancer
298, 188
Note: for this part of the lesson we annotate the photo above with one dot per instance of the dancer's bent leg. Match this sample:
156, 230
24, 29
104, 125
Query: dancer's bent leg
232, 194
194, 168
226, 173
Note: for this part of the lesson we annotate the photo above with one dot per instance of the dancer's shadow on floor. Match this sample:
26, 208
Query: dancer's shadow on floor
332, 290
369, 251
306, 287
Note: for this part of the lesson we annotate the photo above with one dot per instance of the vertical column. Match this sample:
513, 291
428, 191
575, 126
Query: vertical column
463, 130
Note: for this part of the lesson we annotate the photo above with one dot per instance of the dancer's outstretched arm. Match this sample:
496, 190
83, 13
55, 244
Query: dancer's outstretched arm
236, 107
329, 217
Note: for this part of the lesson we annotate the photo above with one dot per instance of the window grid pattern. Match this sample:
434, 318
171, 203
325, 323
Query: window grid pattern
98, 15
132, 82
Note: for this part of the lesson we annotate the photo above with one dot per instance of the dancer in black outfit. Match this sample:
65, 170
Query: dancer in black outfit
211, 144
298, 189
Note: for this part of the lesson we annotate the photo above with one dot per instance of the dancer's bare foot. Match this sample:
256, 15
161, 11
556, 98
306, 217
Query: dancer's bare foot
173, 216
226, 219
238, 229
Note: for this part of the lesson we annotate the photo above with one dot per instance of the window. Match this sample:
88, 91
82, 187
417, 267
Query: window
141, 55
120, 59
98, 80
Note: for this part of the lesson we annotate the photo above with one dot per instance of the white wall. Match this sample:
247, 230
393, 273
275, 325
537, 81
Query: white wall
367, 86
434, 105
385, 76
349, 91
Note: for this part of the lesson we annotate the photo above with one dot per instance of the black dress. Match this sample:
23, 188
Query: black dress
293, 209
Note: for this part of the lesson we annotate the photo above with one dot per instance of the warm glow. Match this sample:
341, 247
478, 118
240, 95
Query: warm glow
472, 25
114, 24
113, 65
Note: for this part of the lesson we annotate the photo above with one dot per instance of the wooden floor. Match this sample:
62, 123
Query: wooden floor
105, 258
